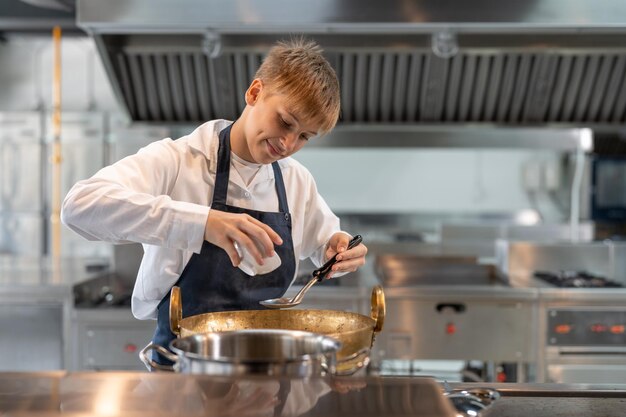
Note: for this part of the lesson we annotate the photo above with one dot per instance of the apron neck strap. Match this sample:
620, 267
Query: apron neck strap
223, 173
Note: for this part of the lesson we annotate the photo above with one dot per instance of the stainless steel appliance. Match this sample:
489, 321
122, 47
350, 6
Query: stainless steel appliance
581, 307
419, 63
585, 342
608, 195
452, 308
576, 279
105, 335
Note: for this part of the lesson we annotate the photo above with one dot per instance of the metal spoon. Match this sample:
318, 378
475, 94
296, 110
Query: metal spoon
318, 275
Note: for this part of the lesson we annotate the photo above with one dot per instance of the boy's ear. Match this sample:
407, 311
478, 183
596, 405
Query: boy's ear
253, 94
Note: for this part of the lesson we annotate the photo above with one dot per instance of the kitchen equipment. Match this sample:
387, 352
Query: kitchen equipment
451, 308
401, 270
581, 317
356, 332
583, 337
607, 198
249, 352
500, 73
576, 279
318, 275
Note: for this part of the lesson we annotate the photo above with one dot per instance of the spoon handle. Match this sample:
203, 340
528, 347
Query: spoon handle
321, 272
298, 297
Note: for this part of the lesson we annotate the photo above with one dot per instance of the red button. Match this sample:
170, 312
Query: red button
450, 328
618, 329
130, 348
599, 328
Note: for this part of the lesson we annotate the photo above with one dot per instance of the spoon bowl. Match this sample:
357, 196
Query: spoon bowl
282, 302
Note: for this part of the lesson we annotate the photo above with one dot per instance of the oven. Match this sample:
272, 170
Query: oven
584, 318
583, 341
581, 306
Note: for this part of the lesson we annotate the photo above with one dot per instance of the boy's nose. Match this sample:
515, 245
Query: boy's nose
289, 141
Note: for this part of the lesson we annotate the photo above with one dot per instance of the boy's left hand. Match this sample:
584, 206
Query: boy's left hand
347, 260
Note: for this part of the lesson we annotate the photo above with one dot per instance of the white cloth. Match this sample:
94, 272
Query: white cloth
246, 170
160, 197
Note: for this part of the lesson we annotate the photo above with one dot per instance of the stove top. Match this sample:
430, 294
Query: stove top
576, 279
104, 291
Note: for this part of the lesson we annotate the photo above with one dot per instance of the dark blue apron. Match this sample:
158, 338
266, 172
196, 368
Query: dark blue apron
210, 282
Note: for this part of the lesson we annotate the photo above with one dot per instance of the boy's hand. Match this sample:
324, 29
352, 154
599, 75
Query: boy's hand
223, 229
348, 260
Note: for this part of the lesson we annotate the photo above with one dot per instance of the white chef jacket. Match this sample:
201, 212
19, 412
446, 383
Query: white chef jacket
161, 197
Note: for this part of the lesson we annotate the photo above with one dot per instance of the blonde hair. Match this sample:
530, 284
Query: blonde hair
298, 69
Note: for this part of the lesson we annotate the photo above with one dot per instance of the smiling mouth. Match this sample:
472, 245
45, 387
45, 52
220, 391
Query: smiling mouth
273, 150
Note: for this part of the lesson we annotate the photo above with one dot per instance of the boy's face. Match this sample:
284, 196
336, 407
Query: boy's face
273, 130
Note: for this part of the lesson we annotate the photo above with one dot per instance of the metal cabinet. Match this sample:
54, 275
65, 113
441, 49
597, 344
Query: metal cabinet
31, 337
450, 327
108, 339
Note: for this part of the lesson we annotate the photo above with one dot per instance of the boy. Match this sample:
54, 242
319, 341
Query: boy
188, 208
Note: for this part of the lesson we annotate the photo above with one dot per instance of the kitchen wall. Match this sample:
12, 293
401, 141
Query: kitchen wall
426, 180
358, 180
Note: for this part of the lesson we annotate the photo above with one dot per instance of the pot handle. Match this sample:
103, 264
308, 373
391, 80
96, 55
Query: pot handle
378, 308
364, 354
176, 310
152, 365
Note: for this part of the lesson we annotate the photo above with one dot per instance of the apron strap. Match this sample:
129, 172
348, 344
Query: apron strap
283, 207
223, 172
223, 167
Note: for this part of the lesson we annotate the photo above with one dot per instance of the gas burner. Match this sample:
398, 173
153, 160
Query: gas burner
105, 291
576, 279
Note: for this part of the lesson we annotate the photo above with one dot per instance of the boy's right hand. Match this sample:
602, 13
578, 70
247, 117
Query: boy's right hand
223, 229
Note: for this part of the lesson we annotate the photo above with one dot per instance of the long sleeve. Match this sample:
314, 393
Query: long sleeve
320, 223
130, 201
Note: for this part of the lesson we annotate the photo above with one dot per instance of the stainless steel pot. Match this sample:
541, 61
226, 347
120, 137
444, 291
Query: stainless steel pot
249, 352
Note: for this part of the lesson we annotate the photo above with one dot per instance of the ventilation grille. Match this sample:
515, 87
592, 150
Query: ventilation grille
185, 87
382, 86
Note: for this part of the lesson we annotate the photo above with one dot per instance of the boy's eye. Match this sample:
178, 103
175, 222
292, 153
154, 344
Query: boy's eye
284, 123
304, 137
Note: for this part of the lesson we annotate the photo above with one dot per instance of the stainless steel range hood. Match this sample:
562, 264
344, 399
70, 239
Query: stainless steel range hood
510, 63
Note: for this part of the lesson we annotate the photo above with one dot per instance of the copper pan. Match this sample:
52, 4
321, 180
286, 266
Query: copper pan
355, 331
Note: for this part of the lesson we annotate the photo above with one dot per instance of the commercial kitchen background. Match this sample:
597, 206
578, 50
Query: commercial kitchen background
430, 184
463, 200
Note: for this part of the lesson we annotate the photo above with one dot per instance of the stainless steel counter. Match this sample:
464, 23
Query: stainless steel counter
161, 394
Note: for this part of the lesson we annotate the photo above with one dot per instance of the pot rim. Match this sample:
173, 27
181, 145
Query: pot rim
369, 327
332, 346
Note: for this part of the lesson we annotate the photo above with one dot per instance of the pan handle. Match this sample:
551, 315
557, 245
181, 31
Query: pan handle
176, 310
378, 308
152, 365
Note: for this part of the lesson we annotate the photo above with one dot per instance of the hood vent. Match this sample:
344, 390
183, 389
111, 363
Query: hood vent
536, 63
412, 86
